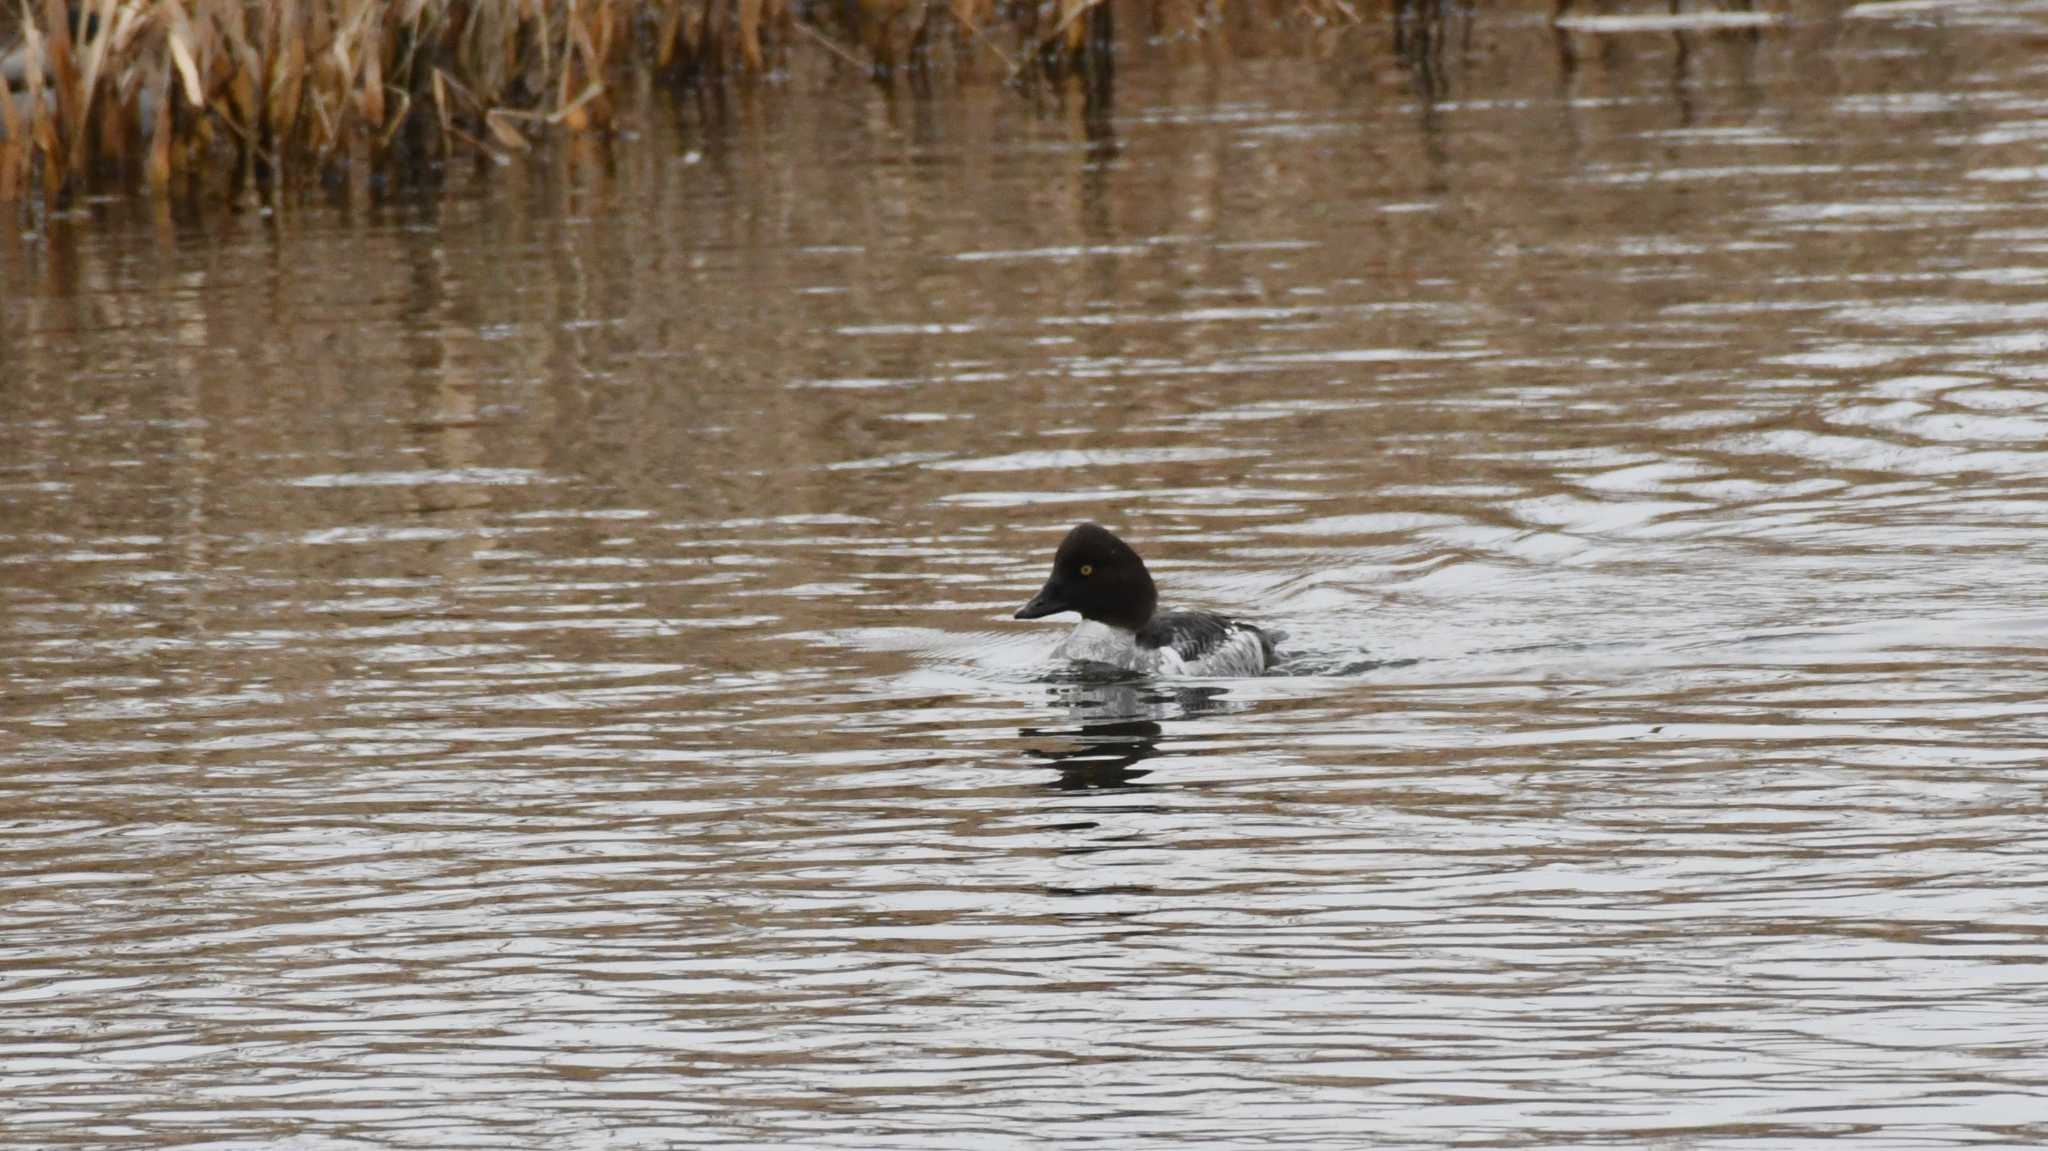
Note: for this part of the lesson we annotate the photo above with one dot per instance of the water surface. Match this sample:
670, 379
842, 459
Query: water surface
527, 663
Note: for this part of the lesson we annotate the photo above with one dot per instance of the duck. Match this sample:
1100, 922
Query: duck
1102, 578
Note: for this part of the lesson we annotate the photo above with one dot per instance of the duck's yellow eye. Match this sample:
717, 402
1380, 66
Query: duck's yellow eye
1087, 569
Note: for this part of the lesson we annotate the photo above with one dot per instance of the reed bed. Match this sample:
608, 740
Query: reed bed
253, 93
238, 95
173, 89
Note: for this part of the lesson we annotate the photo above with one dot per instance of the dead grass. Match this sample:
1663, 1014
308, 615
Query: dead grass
166, 91
234, 95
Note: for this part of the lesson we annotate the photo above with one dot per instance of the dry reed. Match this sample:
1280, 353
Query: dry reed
247, 92
234, 94
169, 90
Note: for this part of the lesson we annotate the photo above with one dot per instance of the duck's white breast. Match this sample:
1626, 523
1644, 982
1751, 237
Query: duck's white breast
1093, 642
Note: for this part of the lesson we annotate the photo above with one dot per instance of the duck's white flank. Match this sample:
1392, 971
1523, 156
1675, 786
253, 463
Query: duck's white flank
1239, 653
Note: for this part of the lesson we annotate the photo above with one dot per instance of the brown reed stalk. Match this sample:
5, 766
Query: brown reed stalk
298, 83
234, 92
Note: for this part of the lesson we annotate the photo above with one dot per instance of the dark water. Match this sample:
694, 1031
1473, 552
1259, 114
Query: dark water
528, 664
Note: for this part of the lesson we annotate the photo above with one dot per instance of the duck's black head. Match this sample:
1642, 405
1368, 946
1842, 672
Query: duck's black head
1099, 576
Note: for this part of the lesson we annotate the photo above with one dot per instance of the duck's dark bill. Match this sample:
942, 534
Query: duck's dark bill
1046, 602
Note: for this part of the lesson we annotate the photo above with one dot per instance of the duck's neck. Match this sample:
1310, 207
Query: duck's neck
1135, 607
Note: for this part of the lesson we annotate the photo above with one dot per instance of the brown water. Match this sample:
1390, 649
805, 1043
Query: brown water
528, 664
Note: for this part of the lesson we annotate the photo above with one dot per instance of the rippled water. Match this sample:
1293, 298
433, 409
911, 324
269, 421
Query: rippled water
529, 665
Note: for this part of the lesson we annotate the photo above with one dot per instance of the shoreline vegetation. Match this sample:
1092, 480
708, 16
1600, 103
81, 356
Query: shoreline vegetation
225, 98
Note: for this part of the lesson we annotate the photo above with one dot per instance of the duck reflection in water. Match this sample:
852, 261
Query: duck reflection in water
1119, 728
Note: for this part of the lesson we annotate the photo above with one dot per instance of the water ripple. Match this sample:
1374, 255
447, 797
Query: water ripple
567, 695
